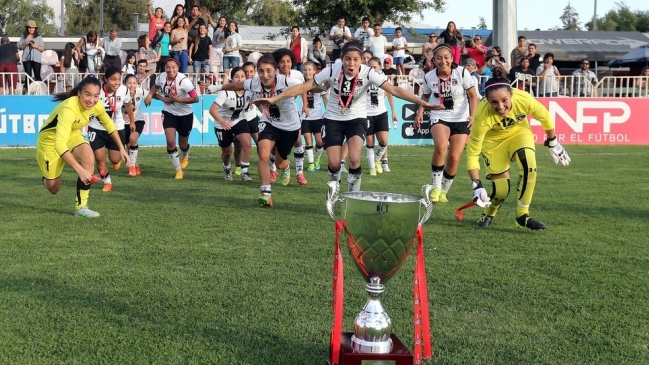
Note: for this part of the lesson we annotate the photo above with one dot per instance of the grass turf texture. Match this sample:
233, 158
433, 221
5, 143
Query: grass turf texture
194, 272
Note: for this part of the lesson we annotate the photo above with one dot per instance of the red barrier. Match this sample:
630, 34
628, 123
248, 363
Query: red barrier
597, 120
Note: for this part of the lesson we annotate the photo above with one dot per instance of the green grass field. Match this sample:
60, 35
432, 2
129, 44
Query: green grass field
194, 272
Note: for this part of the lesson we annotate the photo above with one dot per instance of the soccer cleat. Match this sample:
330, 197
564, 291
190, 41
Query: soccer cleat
379, 168
311, 168
137, 170
525, 221
301, 179
107, 188
435, 194
343, 169
265, 200
316, 163
372, 172
442, 198
85, 212
184, 162
180, 175
246, 177
116, 166
385, 167
228, 176
285, 177
273, 176
237, 170
132, 171
484, 221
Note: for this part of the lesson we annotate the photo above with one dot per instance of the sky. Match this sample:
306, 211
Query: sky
532, 14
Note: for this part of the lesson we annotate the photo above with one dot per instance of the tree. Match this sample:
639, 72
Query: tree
622, 19
83, 15
13, 23
483, 24
570, 18
322, 14
266, 12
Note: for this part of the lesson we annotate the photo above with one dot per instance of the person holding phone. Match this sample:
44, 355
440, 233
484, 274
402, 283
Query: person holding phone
32, 45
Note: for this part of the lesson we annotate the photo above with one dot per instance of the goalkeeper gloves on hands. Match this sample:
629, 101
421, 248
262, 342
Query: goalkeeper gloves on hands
557, 151
480, 196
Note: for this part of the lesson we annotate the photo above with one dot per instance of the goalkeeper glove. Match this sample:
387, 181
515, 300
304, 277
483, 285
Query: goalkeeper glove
557, 151
480, 196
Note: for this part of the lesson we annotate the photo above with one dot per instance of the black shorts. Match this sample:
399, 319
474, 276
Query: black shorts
253, 125
312, 126
181, 123
100, 139
455, 127
284, 140
335, 132
226, 137
139, 127
378, 123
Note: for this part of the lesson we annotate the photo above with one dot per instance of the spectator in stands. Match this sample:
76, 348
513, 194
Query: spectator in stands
130, 66
218, 36
399, 47
453, 38
535, 58
179, 12
156, 21
162, 46
32, 45
523, 76
299, 46
143, 72
427, 52
478, 52
583, 80
549, 77
179, 35
233, 43
643, 84
318, 54
9, 58
200, 54
70, 66
497, 60
148, 54
472, 66
89, 50
339, 33
519, 52
388, 71
113, 47
364, 33
378, 43
195, 20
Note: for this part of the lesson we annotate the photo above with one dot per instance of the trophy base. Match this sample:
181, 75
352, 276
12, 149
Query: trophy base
400, 354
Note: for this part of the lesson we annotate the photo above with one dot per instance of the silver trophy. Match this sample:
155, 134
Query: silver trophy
380, 229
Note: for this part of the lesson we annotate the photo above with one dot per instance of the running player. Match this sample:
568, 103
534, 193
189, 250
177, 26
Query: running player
178, 93
60, 141
279, 125
251, 117
377, 123
229, 113
312, 124
346, 117
501, 133
113, 96
134, 130
453, 87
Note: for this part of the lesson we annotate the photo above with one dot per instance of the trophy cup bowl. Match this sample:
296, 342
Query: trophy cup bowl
380, 230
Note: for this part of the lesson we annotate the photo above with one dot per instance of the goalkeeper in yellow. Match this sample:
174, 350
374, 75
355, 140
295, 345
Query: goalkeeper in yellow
60, 141
501, 134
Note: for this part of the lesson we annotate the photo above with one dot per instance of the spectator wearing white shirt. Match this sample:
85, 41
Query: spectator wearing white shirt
113, 47
378, 43
364, 33
399, 47
339, 34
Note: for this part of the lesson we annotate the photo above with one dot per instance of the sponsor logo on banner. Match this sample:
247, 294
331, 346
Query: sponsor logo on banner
408, 131
596, 120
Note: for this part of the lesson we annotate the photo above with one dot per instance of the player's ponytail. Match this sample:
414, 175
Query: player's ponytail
88, 80
498, 81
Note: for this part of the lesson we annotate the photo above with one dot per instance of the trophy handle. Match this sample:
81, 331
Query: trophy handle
333, 196
425, 201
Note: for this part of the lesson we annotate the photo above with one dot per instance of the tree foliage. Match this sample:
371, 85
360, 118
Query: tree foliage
266, 12
622, 18
12, 22
83, 15
570, 18
483, 24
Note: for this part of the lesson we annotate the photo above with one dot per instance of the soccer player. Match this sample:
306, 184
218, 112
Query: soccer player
279, 125
501, 133
60, 141
113, 96
134, 130
453, 87
229, 113
251, 117
312, 123
377, 122
178, 93
346, 115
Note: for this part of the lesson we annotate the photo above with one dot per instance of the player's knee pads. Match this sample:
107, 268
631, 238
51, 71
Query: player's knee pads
500, 190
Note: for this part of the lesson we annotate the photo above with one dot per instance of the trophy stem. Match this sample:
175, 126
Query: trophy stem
372, 326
